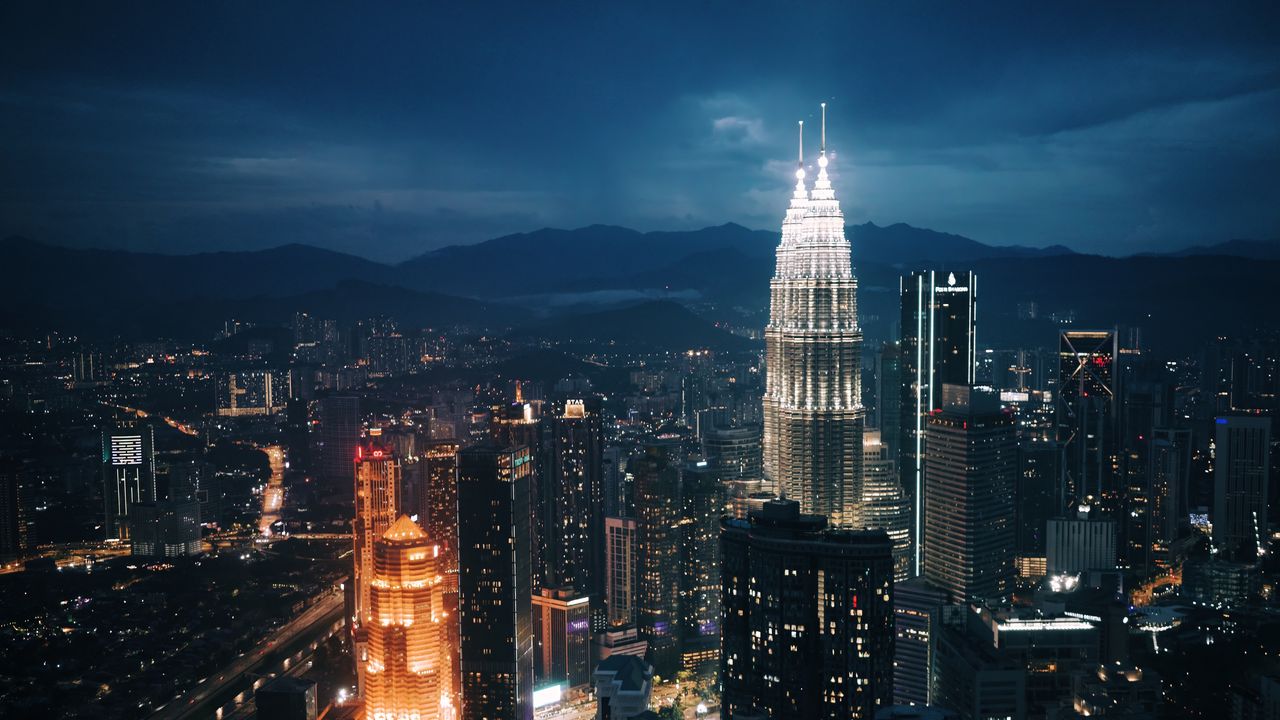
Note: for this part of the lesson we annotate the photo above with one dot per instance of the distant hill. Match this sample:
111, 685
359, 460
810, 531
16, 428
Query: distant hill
1256, 249
657, 325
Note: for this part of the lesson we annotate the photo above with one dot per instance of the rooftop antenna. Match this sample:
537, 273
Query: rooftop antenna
824, 129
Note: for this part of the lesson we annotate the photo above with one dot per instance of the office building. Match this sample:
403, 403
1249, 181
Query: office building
519, 424
495, 582
1036, 500
377, 488
337, 437
699, 536
808, 617
917, 612
657, 499
938, 348
1241, 486
1080, 544
13, 512
438, 511
561, 639
620, 570
888, 411
1086, 417
885, 505
406, 668
734, 453
1116, 690
575, 533
969, 510
1170, 487
813, 414
128, 474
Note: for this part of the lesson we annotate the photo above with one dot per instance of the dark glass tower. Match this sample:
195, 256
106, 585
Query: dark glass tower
808, 617
1086, 417
128, 475
575, 534
657, 495
495, 582
939, 328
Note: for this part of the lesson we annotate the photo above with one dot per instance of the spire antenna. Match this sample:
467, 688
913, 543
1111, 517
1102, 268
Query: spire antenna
800, 157
823, 148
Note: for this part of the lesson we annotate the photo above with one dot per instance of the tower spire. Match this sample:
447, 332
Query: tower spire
800, 157
824, 129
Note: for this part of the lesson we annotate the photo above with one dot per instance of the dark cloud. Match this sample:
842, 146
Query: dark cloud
1107, 128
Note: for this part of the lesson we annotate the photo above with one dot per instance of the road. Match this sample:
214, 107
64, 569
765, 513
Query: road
273, 493
315, 621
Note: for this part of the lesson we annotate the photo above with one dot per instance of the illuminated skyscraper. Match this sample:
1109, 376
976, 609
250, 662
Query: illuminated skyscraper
438, 512
884, 504
1086, 415
495, 582
620, 570
406, 667
377, 487
808, 617
699, 529
938, 347
128, 474
813, 415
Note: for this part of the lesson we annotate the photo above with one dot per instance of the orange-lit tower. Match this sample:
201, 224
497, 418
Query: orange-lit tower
377, 486
407, 665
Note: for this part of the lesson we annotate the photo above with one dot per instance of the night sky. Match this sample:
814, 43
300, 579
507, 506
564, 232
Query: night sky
1116, 128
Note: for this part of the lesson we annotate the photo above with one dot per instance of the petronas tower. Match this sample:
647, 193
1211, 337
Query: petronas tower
813, 415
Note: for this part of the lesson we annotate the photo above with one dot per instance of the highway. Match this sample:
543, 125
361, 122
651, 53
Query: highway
201, 701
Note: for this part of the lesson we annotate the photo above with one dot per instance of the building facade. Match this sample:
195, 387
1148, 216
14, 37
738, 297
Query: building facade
808, 617
939, 341
969, 505
1241, 486
495, 582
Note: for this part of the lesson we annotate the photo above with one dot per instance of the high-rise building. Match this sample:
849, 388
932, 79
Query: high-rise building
885, 505
969, 510
888, 373
657, 498
620, 570
128, 474
519, 424
699, 531
813, 414
575, 535
1241, 486
561, 638
13, 512
938, 348
917, 613
438, 512
377, 491
258, 391
1170, 485
1036, 497
377, 487
1080, 544
734, 452
337, 437
406, 668
1086, 417
808, 617
495, 582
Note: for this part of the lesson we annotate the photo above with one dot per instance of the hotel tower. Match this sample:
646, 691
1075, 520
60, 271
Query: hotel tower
813, 414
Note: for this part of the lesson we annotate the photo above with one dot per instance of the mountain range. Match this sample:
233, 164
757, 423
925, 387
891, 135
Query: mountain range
541, 281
